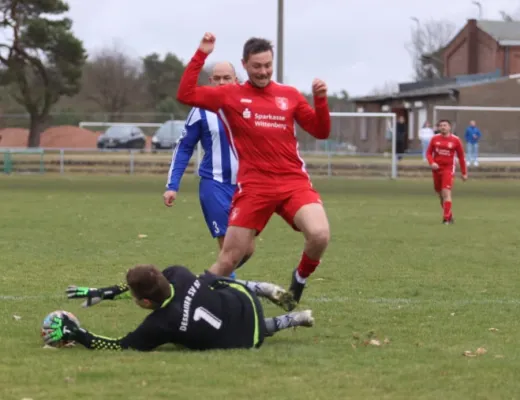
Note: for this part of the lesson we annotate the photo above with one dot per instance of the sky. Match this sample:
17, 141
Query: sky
353, 45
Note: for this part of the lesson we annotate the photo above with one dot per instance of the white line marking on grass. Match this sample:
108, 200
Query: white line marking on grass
327, 299
405, 301
39, 297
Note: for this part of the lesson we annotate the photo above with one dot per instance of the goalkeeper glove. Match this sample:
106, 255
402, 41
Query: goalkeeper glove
62, 328
93, 295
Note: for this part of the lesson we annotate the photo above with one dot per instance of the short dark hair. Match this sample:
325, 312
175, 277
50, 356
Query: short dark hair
444, 120
255, 46
147, 282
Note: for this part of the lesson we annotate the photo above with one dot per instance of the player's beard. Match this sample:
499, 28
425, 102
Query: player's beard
260, 81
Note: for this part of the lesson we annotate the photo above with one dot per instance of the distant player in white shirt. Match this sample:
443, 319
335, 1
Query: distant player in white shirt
425, 135
218, 169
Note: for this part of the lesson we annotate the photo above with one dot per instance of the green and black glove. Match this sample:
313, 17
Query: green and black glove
62, 328
94, 296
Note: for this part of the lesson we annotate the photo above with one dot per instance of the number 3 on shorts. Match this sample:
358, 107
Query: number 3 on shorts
202, 313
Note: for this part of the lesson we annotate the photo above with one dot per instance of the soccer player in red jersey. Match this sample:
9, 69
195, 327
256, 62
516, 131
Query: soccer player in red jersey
260, 117
441, 156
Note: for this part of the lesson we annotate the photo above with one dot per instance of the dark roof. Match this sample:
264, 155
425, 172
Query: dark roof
501, 30
450, 88
432, 91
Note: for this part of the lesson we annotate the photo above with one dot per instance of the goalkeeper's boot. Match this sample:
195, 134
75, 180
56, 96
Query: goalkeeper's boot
296, 287
298, 318
276, 295
449, 221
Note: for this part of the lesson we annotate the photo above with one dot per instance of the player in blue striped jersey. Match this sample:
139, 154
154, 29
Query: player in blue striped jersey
218, 168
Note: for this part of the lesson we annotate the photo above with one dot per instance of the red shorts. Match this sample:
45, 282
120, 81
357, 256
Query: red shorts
443, 179
252, 210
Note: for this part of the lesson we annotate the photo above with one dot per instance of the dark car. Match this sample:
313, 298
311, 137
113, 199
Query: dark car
167, 135
122, 137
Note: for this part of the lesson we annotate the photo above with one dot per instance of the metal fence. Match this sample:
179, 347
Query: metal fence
326, 163
94, 161
359, 145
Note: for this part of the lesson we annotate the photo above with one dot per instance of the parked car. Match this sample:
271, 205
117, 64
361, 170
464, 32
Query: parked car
167, 135
122, 137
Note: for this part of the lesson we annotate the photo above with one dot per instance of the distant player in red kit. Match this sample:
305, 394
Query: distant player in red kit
260, 117
441, 156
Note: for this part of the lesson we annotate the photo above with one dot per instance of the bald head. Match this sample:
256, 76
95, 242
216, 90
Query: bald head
223, 73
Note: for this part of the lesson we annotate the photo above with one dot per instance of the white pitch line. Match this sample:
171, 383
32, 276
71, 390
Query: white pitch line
326, 299
412, 301
39, 297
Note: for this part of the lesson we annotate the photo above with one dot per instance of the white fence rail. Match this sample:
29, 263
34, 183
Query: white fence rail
348, 162
68, 160
63, 156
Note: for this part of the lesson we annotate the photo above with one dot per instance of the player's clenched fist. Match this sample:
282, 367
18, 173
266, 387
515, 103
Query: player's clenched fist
169, 197
207, 44
319, 88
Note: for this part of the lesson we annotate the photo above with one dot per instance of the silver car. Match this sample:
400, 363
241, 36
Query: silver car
167, 135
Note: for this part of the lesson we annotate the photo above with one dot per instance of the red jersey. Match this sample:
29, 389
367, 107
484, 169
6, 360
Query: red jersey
260, 124
442, 150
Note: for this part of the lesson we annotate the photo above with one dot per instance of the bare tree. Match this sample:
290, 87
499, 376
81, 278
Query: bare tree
114, 82
427, 43
510, 16
386, 88
506, 17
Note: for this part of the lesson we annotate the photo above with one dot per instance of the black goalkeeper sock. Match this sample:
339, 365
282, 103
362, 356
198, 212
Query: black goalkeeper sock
276, 324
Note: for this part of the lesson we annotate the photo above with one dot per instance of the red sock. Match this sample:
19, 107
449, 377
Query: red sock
307, 266
447, 210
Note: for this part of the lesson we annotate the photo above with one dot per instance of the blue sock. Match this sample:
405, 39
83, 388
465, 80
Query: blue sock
233, 275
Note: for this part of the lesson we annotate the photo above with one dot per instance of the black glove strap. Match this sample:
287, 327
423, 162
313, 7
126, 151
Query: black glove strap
110, 292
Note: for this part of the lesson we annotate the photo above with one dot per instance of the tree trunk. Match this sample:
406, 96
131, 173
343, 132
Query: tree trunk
35, 131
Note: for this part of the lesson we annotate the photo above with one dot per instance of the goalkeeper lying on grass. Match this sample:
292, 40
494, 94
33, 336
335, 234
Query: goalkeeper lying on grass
205, 312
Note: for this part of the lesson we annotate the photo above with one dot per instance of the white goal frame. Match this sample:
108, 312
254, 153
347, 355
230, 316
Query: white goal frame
98, 124
480, 108
392, 116
472, 108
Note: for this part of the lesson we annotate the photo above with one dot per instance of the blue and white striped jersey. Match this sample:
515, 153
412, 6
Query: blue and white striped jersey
218, 163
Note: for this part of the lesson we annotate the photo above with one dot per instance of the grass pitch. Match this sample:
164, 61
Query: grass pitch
392, 271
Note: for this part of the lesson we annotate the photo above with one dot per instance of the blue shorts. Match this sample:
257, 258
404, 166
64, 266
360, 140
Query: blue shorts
215, 201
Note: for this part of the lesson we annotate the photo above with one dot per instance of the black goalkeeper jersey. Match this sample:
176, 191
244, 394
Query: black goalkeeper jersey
204, 312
